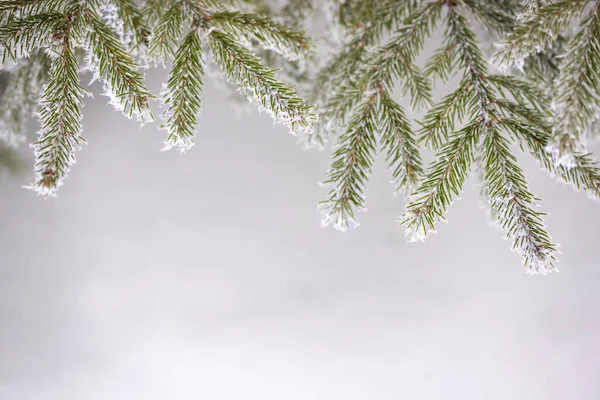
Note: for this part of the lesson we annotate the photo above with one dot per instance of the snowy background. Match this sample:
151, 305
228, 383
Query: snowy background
158, 276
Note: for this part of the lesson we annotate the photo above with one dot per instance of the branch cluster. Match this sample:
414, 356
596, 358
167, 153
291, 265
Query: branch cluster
546, 102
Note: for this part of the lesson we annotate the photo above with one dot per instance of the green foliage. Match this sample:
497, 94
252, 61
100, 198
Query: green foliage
288, 42
114, 66
378, 113
547, 104
183, 92
474, 124
225, 32
114, 36
577, 82
60, 117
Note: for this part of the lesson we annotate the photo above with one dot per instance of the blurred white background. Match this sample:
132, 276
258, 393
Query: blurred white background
207, 276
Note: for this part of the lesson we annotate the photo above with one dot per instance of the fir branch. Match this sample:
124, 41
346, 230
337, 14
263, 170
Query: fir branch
398, 141
520, 90
470, 56
441, 119
473, 97
514, 206
21, 36
113, 64
543, 67
183, 91
222, 5
443, 179
389, 64
60, 117
539, 31
583, 174
447, 175
153, 10
350, 168
395, 61
493, 15
442, 63
259, 83
167, 32
371, 21
133, 20
23, 8
578, 88
288, 42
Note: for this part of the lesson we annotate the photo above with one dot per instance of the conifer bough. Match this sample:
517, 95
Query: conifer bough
538, 88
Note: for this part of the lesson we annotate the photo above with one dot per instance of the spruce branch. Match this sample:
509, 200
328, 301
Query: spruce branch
366, 22
22, 8
520, 90
387, 65
286, 41
493, 15
113, 65
441, 65
260, 84
515, 206
294, 13
183, 92
397, 140
441, 118
473, 96
583, 174
167, 32
531, 6
528, 121
395, 61
223, 28
153, 10
60, 117
479, 99
443, 180
134, 23
21, 36
352, 161
578, 89
540, 31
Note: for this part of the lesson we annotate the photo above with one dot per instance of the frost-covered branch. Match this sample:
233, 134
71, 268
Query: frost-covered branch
60, 117
514, 206
113, 65
222, 29
289, 42
20, 37
479, 101
539, 31
260, 84
443, 180
368, 64
183, 92
350, 168
578, 89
